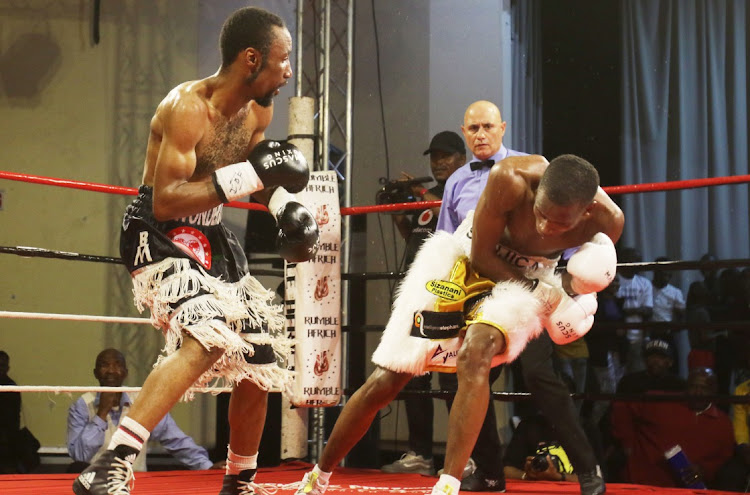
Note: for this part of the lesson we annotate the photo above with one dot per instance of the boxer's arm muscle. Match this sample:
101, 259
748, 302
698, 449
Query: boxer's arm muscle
503, 192
612, 219
174, 195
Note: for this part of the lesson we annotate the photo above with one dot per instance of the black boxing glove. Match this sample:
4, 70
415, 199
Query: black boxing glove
297, 239
272, 163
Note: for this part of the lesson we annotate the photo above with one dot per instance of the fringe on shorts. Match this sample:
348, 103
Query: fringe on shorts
185, 299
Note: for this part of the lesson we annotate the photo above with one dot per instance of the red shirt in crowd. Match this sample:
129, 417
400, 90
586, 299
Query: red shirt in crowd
648, 429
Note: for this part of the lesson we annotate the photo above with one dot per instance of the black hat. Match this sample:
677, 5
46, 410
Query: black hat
446, 141
658, 346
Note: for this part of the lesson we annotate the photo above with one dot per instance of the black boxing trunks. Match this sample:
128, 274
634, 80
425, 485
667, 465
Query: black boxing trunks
193, 275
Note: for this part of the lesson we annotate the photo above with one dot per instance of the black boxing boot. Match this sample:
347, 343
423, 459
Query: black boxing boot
110, 474
592, 482
479, 481
241, 484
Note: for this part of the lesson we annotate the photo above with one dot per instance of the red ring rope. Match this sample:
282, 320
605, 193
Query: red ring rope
356, 210
93, 186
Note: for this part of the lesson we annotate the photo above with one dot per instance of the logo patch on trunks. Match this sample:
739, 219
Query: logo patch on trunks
194, 243
445, 290
435, 325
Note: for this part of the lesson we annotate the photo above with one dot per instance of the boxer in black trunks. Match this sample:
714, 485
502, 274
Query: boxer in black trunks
207, 147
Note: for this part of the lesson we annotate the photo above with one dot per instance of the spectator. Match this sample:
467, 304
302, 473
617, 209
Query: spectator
535, 439
10, 419
637, 297
669, 305
701, 339
735, 474
730, 344
648, 429
711, 283
94, 417
573, 362
657, 376
447, 153
741, 415
604, 347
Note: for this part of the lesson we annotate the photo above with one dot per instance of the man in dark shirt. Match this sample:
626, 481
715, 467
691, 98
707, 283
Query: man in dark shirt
10, 418
447, 153
657, 376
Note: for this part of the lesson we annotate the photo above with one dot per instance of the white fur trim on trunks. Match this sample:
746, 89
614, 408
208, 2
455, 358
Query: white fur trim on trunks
398, 350
515, 309
215, 319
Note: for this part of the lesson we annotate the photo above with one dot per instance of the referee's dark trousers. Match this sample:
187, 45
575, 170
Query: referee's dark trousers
552, 397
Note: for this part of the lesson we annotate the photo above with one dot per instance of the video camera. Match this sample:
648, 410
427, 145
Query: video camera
398, 191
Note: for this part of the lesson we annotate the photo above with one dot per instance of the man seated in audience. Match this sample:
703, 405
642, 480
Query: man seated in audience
94, 417
10, 419
734, 476
658, 375
649, 429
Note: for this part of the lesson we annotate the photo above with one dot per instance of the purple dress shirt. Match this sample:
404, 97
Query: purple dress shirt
462, 191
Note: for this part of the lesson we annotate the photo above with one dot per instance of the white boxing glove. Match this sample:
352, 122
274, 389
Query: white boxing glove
592, 268
571, 319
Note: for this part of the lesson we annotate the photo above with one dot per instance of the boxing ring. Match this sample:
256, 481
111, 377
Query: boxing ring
283, 479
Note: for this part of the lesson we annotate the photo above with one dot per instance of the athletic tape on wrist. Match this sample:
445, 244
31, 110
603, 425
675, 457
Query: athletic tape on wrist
236, 181
279, 199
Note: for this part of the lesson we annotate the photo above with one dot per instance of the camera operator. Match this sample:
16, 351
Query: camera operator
533, 454
447, 153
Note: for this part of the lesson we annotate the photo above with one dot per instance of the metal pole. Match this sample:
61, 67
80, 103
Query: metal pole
346, 224
298, 48
325, 109
325, 26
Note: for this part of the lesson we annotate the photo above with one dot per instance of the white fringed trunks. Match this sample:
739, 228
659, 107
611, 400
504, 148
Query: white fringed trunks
236, 317
441, 280
192, 274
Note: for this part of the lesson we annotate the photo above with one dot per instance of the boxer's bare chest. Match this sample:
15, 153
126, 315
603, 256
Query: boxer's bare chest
226, 141
522, 236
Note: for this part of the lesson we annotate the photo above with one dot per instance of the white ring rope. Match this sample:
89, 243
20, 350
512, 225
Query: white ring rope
72, 389
64, 389
58, 316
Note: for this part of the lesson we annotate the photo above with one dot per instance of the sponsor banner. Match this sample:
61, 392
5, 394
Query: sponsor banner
313, 301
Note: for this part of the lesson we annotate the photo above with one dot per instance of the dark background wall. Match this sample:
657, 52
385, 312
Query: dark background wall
581, 82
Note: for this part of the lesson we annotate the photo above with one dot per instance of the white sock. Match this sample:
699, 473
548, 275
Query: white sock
322, 475
237, 463
129, 433
447, 485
